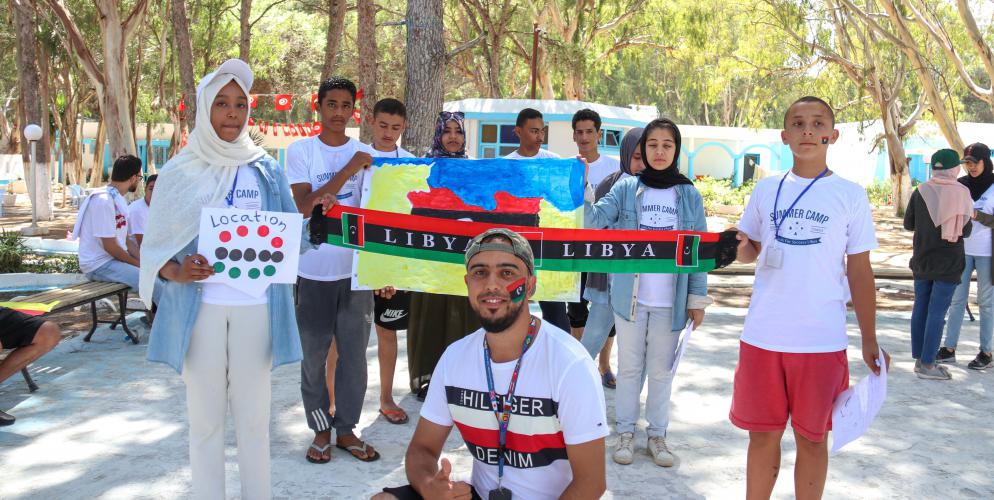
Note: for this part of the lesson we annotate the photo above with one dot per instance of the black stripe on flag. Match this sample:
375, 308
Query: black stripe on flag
353, 231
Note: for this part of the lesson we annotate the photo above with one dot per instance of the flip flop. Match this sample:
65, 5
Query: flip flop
6, 418
608, 380
398, 416
320, 449
362, 449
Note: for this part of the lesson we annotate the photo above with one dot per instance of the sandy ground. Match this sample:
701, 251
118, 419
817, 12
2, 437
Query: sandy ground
108, 424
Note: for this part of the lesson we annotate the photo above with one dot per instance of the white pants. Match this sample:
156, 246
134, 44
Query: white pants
646, 345
229, 361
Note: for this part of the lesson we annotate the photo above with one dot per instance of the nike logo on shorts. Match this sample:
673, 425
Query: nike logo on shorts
391, 315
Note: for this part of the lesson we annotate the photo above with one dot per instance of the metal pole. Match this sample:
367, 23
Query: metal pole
534, 57
34, 186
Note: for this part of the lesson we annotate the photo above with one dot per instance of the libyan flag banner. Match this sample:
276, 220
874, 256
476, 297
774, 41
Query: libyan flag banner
570, 250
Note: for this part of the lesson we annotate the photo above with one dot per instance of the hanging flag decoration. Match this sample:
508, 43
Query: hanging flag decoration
253, 100
284, 102
276, 129
355, 110
316, 129
182, 103
300, 130
263, 127
314, 102
251, 121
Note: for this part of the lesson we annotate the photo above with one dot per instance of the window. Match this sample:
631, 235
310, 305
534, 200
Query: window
611, 140
498, 140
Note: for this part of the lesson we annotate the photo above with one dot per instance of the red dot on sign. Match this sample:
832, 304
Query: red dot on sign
277, 242
263, 230
242, 231
225, 236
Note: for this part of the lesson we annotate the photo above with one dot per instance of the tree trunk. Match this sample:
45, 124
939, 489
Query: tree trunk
336, 26
29, 83
97, 171
366, 37
116, 94
181, 37
245, 30
426, 63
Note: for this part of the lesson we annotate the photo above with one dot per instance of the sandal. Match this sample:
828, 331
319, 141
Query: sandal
361, 449
322, 450
397, 416
608, 380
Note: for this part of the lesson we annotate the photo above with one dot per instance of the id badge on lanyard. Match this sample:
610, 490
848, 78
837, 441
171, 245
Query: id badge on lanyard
503, 412
774, 254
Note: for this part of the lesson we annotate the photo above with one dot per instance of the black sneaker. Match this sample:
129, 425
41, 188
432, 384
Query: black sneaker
945, 355
6, 418
983, 361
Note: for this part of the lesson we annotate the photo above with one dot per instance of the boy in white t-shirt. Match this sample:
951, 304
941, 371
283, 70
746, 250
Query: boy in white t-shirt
547, 396
810, 230
138, 211
102, 227
389, 314
331, 163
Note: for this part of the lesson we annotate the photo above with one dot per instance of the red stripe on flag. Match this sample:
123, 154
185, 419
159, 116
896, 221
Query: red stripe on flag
522, 443
471, 229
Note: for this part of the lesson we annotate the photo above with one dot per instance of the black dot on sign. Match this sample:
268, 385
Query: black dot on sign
221, 253
265, 255
235, 255
249, 254
277, 257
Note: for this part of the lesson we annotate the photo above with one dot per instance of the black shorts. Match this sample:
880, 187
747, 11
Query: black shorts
17, 329
577, 311
394, 312
409, 493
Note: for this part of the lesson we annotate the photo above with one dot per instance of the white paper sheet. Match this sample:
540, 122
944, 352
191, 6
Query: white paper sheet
682, 346
250, 249
857, 407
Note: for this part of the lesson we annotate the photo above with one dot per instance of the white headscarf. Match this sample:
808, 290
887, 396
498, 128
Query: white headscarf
199, 176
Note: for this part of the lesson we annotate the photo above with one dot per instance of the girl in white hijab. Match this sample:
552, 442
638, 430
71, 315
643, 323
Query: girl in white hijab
222, 340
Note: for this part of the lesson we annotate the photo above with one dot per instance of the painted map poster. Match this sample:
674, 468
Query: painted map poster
539, 192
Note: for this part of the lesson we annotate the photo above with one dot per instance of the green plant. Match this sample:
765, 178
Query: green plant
12, 251
880, 193
720, 192
47, 265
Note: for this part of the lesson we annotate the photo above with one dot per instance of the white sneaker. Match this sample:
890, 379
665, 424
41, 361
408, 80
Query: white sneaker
624, 452
661, 455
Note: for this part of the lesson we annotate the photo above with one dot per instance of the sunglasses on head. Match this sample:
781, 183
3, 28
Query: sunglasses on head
448, 115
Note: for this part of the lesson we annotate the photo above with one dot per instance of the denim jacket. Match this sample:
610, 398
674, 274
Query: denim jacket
179, 303
621, 208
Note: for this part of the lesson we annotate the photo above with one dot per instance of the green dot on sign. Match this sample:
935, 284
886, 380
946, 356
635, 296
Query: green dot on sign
234, 272
254, 273
269, 270
219, 267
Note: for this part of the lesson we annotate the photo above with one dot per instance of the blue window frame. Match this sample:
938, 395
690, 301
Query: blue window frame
497, 139
611, 140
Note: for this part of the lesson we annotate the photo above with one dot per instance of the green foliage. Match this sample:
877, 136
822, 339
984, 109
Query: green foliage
721, 192
11, 251
881, 193
17, 258
48, 264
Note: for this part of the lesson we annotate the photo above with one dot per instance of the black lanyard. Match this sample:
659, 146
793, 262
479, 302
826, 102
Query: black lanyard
504, 415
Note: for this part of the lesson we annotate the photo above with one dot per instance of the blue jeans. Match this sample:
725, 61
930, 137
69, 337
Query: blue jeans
600, 320
645, 346
928, 316
116, 271
985, 296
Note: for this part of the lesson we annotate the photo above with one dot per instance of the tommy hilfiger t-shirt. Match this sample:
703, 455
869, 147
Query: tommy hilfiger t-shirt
558, 401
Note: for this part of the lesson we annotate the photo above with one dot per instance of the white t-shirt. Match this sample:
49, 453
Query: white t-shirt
659, 213
397, 153
542, 153
310, 161
800, 306
246, 195
104, 216
979, 242
603, 167
558, 401
137, 215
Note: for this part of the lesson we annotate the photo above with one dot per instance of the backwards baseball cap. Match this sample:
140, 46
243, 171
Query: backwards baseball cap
234, 67
945, 159
518, 247
976, 152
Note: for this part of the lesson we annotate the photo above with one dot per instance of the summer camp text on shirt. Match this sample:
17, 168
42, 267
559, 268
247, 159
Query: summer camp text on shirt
801, 305
558, 401
310, 161
658, 213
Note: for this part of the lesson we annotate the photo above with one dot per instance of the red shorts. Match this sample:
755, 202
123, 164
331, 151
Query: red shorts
772, 386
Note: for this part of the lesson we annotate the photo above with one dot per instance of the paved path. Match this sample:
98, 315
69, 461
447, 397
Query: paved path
107, 424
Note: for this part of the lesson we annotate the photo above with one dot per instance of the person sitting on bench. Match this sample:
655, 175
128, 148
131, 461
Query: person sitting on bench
102, 227
30, 338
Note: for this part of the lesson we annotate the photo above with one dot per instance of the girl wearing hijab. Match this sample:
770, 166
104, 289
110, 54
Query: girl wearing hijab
979, 179
650, 310
438, 320
222, 340
600, 331
939, 213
